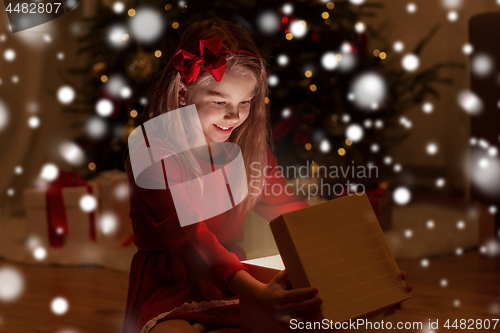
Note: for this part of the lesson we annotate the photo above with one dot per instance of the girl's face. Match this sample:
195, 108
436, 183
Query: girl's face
222, 106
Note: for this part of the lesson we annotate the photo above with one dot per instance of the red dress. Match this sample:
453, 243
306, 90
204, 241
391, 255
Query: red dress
183, 271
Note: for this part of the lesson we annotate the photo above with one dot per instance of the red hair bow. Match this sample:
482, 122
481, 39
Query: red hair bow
189, 64
210, 56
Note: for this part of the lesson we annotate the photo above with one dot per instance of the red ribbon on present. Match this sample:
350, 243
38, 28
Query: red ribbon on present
210, 57
57, 223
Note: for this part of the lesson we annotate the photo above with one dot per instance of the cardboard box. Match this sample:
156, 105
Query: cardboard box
338, 247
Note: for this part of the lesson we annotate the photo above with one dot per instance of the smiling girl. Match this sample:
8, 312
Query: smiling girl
189, 278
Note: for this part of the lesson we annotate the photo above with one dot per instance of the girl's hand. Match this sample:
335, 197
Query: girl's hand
408, 287
282, 302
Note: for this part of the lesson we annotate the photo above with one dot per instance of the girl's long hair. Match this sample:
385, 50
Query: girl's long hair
253, 135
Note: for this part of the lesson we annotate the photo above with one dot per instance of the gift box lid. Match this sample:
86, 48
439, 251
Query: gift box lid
339, 248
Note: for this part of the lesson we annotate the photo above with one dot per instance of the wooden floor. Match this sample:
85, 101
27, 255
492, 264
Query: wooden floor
97, 296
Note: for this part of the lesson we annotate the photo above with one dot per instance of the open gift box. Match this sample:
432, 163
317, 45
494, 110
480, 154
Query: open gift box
338, 247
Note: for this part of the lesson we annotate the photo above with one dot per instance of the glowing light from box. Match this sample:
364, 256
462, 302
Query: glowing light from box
273, 80
108, 223
40, 253
467, 49
9, 55
72, 153
268, 22
430, 224
398, 46
354, 132
443, 283
104, 107
431, 149
401, 195
59, 306
65, 94
146, 25
34, 122
470, 102
88, 203
118, 7
49, 172
460, 225
427, 107
96, 127
11, 284
410, 62
282, 60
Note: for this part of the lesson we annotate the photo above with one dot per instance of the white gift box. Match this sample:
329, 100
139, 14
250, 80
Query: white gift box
78, 221
114, 199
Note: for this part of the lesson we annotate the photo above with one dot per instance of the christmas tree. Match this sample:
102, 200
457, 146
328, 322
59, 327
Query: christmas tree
334, 98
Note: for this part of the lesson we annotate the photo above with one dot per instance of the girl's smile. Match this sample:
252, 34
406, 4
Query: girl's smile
222, 106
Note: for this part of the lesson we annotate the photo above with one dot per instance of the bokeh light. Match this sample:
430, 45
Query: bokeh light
66, 94
88, 203
11, 284
146, 25
49, 172
401, 195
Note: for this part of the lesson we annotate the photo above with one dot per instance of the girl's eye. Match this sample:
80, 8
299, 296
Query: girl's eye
221, 103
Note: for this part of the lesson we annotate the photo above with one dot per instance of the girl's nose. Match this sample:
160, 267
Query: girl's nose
232, 114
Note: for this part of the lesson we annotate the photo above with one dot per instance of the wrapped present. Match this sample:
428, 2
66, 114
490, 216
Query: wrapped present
114, 207
327, 246
54, 214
